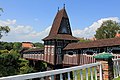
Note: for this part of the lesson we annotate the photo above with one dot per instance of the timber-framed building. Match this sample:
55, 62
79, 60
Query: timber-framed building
62, 49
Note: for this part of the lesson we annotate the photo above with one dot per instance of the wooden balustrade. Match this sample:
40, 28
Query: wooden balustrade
70, 59
75, 59
78, 59
49, 58
116, 56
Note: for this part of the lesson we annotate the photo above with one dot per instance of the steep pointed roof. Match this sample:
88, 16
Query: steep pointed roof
56, 25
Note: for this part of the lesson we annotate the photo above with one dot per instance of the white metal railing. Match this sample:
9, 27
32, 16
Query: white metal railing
94, 68
116, 67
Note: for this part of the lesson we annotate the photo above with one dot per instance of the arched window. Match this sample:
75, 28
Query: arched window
70, 52
89, 52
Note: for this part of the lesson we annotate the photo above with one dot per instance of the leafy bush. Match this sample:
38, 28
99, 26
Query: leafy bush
12, 64
9, 64
24, 68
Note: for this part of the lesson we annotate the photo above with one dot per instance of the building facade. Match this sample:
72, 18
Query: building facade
61, 48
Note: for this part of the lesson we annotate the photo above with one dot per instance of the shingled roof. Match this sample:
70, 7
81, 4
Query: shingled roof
34, 50
61, 37
56, 25
93, 44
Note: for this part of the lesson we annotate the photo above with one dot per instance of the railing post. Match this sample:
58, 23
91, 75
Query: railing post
101, 72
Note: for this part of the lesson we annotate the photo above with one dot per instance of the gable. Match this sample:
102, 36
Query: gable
64, 27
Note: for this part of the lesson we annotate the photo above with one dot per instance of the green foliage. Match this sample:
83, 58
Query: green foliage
9, 64
24, 68
84, 74
40, 45
9, 46
17, 46
4, 29
107, 30
84, 40
1, 9
4, 51
117, 78
40, 66
12, 64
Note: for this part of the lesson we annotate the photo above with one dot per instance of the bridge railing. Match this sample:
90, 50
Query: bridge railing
116, 67
78, 59
93, 70
70, 59
43, 57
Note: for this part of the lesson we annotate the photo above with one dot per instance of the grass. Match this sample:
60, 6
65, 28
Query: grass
84, 74
117, 78
89, 76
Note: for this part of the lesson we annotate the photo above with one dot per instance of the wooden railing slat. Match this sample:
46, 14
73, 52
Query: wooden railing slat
81, 74
68, 75
75, 75
91, 73
86, 73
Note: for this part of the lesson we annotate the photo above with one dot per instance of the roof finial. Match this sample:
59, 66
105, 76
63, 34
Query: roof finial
58, 9
64, 6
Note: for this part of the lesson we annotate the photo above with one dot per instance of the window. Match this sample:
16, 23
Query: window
52, 50
48, 50
45, 50
59, 50
70, 53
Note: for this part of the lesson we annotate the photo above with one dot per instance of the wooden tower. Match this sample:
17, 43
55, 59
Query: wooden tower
58, 38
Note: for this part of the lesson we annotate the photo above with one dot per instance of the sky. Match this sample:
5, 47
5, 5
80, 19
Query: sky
31, 20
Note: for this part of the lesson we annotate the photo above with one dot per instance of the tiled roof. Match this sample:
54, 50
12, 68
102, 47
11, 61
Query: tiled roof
56, 25
27, 45
93, 44
61, 36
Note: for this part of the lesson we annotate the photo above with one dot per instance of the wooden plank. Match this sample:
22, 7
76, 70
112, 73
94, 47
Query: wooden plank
68, 75
81, 74
86, 73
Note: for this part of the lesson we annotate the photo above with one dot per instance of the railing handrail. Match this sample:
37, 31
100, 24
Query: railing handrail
49, 73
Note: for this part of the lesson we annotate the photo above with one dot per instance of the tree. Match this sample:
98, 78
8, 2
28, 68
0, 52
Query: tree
108, 29
24, 66
40, 45
9, 64
3, 29
8, 46
1, 9
84, 40
12, 64
17, 46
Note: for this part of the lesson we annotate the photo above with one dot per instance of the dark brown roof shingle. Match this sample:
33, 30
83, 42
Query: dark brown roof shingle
93, 44
56, 25
61, 36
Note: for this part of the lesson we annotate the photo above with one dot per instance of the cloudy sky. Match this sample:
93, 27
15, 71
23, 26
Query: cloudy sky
31, 20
